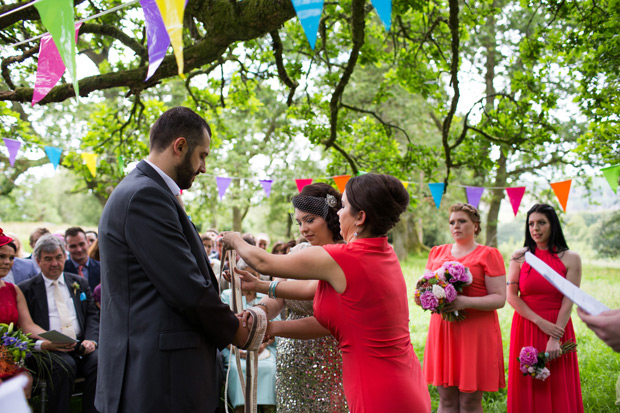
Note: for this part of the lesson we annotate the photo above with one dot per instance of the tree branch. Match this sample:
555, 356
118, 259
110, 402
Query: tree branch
277, 53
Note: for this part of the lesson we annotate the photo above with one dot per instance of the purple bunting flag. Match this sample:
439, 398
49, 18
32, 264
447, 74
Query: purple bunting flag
13, 146
222, 185
157, 36
266, 183
474, 193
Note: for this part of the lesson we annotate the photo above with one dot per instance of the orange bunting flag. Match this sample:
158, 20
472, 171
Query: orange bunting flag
562, 190
302, 182
341, 181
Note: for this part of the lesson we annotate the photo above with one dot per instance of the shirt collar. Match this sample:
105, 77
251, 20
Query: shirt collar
77, 265
174, 188
49, 283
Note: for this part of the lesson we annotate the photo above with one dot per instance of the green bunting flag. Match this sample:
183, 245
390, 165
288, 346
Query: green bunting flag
612, 174
57, 17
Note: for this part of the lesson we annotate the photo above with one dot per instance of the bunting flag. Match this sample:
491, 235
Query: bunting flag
266, 183
13, 146
437, 192
562, 190
302, 182
53, 154
405, 184
50, 67
612, 174
222, 185
57, 16
341, 181
91, 162
384, 10
156, 35
474, 193
515, 195
309, 15
172, 15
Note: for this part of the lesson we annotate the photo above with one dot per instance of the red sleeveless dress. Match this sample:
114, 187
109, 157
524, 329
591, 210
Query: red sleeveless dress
561, 392
370, 320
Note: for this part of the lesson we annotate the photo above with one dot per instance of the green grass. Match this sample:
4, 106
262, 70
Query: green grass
599, 366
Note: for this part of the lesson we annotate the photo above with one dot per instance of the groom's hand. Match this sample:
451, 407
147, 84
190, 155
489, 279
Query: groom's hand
245, 323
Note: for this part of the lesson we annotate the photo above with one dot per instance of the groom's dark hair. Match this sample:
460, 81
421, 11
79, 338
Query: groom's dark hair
176, 122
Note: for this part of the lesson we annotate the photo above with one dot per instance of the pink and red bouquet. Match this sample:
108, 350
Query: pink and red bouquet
437, 288
532, 362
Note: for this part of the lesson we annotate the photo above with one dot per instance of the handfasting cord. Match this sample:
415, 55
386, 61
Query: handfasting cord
253, 342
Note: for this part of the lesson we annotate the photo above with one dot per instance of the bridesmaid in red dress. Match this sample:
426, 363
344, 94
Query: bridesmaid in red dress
361, 298
542, 319
465, 358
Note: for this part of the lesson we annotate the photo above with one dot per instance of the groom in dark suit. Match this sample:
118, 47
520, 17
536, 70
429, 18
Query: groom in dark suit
162, 319
61, 301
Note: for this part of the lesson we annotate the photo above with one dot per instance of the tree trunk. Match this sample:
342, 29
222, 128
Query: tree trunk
498, 195
407, 236
237, 219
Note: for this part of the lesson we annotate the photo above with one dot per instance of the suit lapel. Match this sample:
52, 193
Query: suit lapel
43, 316
76, 300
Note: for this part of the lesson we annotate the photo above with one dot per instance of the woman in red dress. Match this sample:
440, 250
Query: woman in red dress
465, 358
361, 298
542, 319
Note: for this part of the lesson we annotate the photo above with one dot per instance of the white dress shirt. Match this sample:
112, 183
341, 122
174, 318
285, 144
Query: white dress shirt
51, 304
174, 188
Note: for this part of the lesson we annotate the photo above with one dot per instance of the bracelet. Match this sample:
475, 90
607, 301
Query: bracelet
37, 345
512, 282
272, 289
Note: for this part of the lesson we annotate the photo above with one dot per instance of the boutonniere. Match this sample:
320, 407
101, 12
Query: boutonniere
76, 287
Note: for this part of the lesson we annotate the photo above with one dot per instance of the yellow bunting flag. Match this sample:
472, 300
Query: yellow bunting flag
405, 184
561, 190
172, 13
91, 162
341, 181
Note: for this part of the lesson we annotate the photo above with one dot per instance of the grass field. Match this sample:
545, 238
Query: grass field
599, 366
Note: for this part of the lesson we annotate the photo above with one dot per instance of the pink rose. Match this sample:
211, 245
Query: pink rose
428, 275
528, 355
429, 301
450, 293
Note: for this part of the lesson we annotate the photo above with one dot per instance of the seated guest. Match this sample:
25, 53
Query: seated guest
266, 390
23, 269
79, 262
91, 236
277, 248
62, 301
34, 237
249, 238
262, 241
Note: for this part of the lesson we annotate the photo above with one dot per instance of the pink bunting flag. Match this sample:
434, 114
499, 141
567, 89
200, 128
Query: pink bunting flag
13, 146
222, 185
266, 183
474, 193
50, 67
302, 182
515, 195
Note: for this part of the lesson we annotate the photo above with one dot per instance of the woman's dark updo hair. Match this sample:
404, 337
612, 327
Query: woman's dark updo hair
320, 190
382, 197
557, 242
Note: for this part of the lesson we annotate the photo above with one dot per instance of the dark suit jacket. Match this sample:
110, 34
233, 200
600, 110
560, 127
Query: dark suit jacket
162, 318
94, 277
86, 310
23, 269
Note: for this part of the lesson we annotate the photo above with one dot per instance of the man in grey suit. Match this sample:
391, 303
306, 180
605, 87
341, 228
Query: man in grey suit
23, 269
162, 319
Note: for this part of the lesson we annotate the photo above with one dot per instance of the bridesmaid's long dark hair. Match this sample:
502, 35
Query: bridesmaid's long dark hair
556, 243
